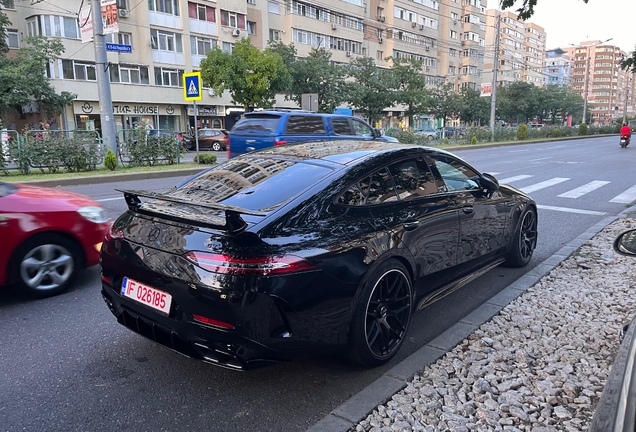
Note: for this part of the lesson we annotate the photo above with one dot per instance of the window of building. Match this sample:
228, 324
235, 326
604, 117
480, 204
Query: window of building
129, 74
227, 47
379, 55
251, 2
53, 25
273, 7
453, 34
120, 38
201, 12
74, 70
7, 4
168, 77
164, 41
251, 27
201, 46
274, 34
165, 6
13, 41
232, 19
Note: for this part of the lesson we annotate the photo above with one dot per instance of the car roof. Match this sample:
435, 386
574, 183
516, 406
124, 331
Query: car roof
343, 152
300, 112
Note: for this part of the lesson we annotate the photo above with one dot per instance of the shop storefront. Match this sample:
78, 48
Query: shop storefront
129, 116
207, 117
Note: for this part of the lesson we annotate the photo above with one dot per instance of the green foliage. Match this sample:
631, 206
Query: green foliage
315, 73
617, 128
110, 161
205, 158
526, 9
370, 90
583, 129
473, 107
473, 140
556, 133
141, 149
522, 132
445, 102
446, 141
253, 77
410, 87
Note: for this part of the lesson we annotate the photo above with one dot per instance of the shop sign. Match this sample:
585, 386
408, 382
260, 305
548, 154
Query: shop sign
131, 109
204, 111
135, 109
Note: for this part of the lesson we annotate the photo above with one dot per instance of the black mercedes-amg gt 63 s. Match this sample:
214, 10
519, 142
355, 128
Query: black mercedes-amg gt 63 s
293, 250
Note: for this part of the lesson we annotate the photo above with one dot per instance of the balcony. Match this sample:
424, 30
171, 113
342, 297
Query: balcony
196, 60
168, 57
203, 27
165, 20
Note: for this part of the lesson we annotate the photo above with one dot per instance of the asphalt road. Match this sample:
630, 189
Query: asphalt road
67, 365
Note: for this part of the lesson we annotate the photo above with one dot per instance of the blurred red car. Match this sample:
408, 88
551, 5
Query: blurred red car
47, 236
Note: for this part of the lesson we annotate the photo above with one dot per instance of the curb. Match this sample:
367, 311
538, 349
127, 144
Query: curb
355, 409
112, 178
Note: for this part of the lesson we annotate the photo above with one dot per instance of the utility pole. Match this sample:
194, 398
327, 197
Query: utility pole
493, 100
109, 133
626, 97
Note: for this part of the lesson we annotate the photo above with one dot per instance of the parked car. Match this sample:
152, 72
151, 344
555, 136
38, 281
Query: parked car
451, 132
616, 408
259, 130
431, 133
214, 139
301, 249
48, 235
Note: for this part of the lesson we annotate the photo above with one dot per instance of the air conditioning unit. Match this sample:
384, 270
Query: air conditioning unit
380, 40
236, 32
211, 92
421, 26
334, 26
381, 18
414, 24
348, 53
124, 13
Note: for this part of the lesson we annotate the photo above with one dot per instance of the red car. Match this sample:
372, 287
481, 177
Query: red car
47, 236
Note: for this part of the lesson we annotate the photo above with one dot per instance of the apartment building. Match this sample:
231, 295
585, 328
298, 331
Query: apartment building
557, 67
521, 49
171, 37
609, 89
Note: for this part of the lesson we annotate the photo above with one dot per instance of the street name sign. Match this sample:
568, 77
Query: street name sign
119, 48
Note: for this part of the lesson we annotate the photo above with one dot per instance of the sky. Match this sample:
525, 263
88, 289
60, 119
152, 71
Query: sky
572, 21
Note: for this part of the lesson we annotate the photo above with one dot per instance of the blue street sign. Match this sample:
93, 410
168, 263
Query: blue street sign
119, 48
192, 86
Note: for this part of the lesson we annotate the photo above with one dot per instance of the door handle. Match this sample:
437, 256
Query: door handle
411, 225
250, 149
467, 210
250, 141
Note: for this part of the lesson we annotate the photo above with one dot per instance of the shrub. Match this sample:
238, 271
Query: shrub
473, 140
522, 132
110, 161
556, 133
582, 129
446, 141
207, 159
617, 128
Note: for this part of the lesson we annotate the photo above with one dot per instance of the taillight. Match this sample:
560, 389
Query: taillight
114, 234
227, 146
279, 143
212, 322
259, 266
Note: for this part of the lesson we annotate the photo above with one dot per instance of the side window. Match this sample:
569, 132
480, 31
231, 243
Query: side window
341, 126
375, 189
456, 175
305, 125
361, 129
413, 179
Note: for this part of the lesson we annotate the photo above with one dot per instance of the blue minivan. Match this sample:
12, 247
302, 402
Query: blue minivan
262, 129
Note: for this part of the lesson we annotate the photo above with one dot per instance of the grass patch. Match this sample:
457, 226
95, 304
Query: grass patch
36, 175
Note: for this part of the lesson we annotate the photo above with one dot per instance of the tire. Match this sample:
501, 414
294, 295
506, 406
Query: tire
382, 315
216, 146
525, 240
46, 265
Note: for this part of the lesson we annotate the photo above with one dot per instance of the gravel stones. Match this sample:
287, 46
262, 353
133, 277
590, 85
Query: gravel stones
537, 366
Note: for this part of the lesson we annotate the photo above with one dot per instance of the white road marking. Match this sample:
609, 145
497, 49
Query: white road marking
544, 184
571, 210
540, 159
109, 199
626, 197
514, 179
580, 191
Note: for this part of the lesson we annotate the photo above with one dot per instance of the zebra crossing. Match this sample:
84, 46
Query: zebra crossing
626, 197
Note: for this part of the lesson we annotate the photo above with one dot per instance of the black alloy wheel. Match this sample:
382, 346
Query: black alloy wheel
216, 146
382, 315
525, 241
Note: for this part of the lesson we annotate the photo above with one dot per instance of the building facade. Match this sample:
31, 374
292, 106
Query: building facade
596, 72
557, 67
521, 49
171, 37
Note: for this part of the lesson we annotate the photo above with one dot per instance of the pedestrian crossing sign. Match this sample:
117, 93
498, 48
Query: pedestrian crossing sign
192, 86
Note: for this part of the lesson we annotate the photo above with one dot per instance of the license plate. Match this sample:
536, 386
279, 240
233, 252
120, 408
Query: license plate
146, 295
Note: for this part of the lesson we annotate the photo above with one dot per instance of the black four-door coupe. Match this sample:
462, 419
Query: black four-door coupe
294, 250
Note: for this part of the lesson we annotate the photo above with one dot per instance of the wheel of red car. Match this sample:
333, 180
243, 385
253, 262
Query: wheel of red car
382, 315
46, 265
216, 146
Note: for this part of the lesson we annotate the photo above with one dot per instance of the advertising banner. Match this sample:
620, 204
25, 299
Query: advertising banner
109, 16
486, 89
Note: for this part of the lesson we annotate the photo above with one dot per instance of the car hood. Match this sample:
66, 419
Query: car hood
41, 199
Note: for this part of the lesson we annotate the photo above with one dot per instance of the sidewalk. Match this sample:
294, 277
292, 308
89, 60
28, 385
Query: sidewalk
534, 357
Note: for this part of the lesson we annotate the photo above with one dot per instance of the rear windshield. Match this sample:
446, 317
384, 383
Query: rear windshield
257, 123
252, 183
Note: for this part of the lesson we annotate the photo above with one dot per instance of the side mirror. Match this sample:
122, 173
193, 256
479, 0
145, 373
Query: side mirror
625, 244
488, 181
377, 133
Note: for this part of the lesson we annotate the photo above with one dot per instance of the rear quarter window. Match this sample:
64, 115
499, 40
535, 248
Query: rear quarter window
257, 123
306, 125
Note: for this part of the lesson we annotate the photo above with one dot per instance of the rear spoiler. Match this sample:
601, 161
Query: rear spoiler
234, 223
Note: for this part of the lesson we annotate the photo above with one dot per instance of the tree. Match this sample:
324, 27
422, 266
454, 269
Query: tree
474, 108
313, 74
410, 87
445, 102
558, 102
371, 89
23, 76
527, 7
253, 77
517, 102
